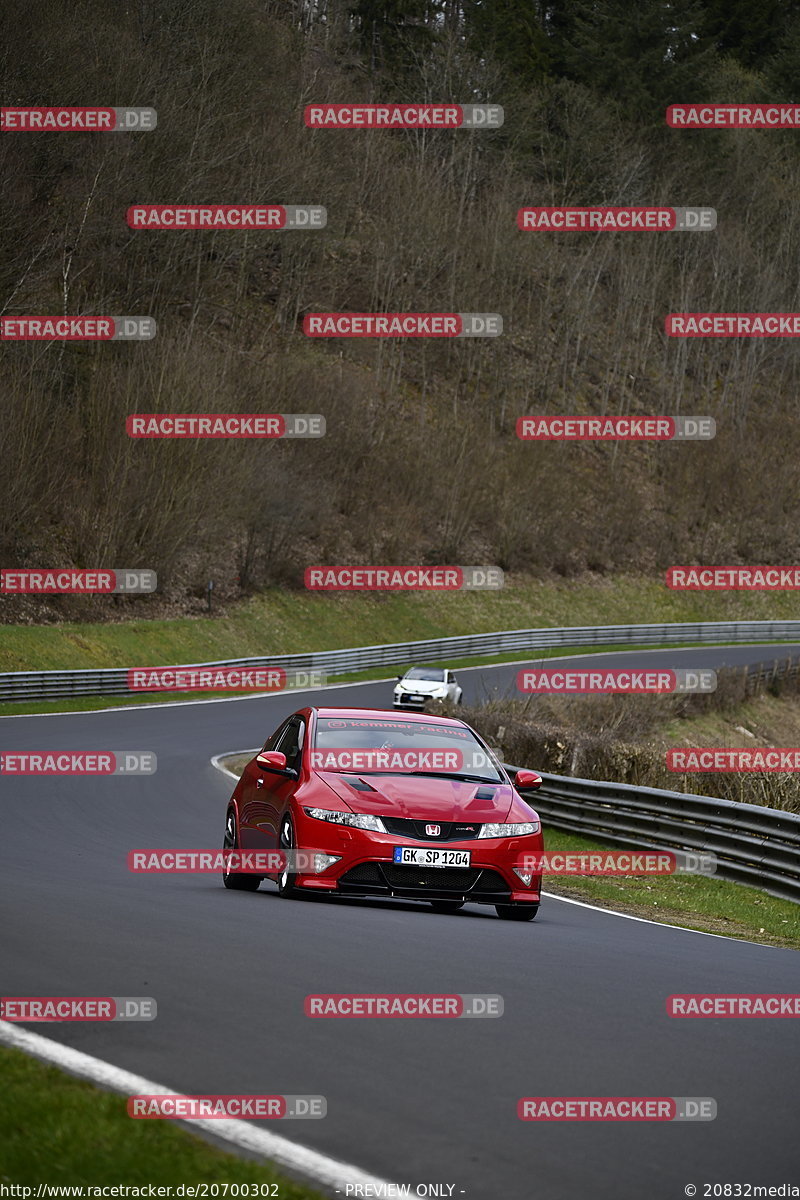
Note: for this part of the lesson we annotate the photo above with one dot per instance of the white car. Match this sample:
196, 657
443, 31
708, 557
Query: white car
420, 684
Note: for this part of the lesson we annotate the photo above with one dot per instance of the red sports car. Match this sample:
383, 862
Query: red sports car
374, 803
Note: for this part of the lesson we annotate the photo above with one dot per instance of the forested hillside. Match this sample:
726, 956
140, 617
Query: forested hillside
421, 461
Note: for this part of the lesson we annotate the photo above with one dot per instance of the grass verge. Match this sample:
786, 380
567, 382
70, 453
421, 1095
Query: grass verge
279, 621
692, 901
61, 1130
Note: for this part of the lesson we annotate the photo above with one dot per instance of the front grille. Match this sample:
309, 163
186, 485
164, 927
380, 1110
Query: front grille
451, 831
363, 873
490, 881
450, 879
375, 877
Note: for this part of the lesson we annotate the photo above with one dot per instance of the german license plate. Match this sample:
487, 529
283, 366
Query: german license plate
413, 856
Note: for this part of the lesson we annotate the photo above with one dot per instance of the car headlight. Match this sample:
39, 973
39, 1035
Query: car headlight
354, 820
509, 830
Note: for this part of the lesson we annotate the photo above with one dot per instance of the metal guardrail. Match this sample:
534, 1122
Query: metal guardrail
755, 845
51, 685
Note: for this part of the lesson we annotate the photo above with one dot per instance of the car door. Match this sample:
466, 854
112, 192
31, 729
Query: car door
277, 790
256, 803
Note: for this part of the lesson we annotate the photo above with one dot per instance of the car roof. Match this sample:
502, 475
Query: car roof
373, 713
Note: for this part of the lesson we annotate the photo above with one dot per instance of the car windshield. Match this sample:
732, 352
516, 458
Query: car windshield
431, 674
383, 745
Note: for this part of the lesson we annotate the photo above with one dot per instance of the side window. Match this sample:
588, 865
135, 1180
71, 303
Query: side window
291, 742
272, 741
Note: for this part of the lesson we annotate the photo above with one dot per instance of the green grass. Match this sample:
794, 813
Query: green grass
59, 1130
693, 901
291, 622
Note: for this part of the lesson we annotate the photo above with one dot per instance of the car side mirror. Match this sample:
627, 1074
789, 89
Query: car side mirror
399, 678
527, 781
275, 760
271, 760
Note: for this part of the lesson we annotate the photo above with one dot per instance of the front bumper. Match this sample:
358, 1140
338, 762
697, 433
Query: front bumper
366, 867
414, 702
378, 878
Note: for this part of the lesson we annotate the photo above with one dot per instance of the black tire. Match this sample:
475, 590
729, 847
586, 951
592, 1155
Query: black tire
286, 880
516, 912
233, 879
446, 906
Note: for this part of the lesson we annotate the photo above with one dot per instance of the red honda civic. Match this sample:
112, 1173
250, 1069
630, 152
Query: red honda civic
362, 802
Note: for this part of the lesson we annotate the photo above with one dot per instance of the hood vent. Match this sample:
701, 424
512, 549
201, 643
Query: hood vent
358, 785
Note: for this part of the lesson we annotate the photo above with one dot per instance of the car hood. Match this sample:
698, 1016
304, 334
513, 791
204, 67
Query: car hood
424, 797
